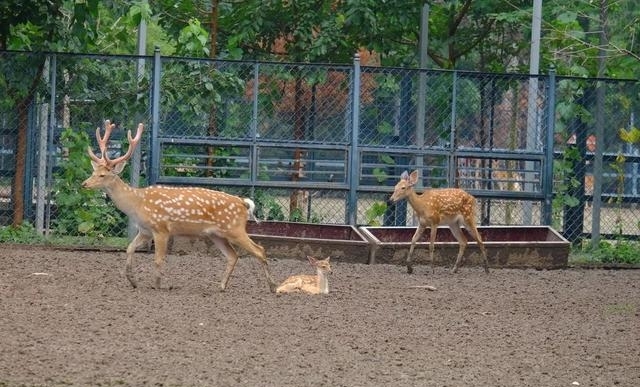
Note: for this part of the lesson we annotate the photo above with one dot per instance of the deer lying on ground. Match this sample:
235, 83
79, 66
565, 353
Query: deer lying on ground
312, 284
161, 212
445, 206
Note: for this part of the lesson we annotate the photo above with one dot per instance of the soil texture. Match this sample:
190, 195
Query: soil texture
70, 318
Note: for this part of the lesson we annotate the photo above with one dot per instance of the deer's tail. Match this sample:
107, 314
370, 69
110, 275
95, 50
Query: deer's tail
251, 206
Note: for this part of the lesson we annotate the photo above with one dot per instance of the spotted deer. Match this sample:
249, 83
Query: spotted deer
453, 207
312, 284
161, 212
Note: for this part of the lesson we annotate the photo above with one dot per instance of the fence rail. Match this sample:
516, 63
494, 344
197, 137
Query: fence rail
317, 142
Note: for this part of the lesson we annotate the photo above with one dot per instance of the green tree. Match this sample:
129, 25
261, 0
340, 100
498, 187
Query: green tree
53, 25
572, 38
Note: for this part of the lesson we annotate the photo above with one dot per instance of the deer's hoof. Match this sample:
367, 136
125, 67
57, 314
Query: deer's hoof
409, 270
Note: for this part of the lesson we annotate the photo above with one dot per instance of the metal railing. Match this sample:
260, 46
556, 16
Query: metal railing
325, 143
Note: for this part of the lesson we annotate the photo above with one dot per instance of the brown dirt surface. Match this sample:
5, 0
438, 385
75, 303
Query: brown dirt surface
70, 318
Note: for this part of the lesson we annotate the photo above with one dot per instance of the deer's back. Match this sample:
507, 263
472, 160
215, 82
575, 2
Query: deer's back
448, 201
300, 283
190, 209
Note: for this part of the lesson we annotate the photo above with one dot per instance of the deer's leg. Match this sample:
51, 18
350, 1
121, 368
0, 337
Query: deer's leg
416, 236
232, 258
473, 230
432, 247
257, 251
140, 239
462, 241
161, 242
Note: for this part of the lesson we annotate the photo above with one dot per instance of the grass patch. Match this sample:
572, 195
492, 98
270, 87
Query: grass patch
27, 235
616, 252
620, 309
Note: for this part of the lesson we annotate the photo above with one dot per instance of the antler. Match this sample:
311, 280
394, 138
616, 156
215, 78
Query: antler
103, 140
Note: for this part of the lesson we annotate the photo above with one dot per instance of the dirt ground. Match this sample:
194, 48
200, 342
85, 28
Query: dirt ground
71, 318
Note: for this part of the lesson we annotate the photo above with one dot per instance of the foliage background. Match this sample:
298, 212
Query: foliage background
579, 38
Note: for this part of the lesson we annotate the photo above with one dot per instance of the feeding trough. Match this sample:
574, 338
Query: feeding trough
344, 243
538, 247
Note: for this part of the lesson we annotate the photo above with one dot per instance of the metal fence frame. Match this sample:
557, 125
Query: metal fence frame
355, 153
536, 159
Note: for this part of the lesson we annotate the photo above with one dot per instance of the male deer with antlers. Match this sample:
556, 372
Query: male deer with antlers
453, 207
162, 212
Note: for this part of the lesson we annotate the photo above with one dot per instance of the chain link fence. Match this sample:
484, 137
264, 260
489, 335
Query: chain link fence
596, 170
315, 143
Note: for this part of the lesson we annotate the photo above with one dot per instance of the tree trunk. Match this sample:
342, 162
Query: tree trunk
22, 104
20, 158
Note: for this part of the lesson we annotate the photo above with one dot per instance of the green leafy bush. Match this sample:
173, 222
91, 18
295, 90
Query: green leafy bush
375, 213
267, 207
25, 233
611, 251
617, 252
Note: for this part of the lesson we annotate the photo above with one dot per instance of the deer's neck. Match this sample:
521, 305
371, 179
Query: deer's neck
123, 196
414, 199
323, 282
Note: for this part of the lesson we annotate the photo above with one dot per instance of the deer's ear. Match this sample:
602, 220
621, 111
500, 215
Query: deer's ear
413, 179
405, 175
95, 165
312, 260
118, 168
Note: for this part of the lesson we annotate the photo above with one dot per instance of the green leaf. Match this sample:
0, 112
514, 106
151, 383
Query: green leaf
567, 17
85, 227
571, 201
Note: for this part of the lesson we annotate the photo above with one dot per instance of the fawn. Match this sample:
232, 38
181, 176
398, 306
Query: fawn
312, 284
453, 207
161, 212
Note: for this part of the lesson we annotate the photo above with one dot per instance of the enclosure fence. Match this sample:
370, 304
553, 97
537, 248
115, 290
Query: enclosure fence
317, 143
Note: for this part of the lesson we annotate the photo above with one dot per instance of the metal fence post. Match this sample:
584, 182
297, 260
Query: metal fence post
32, 119
50, 147
154, 145
136, 158
46, 132
548, 171
354, 175
253, 175
453, 156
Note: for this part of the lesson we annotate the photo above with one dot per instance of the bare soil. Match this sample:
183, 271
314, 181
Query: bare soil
70, 318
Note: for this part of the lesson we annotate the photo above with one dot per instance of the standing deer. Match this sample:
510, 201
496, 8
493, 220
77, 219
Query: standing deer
162, 212
445, 206
312, 284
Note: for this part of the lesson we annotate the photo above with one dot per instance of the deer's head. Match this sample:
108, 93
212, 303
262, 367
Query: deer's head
323, 265
405, 186
106, 170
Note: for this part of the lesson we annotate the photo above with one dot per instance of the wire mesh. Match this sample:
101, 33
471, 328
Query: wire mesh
283, 134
